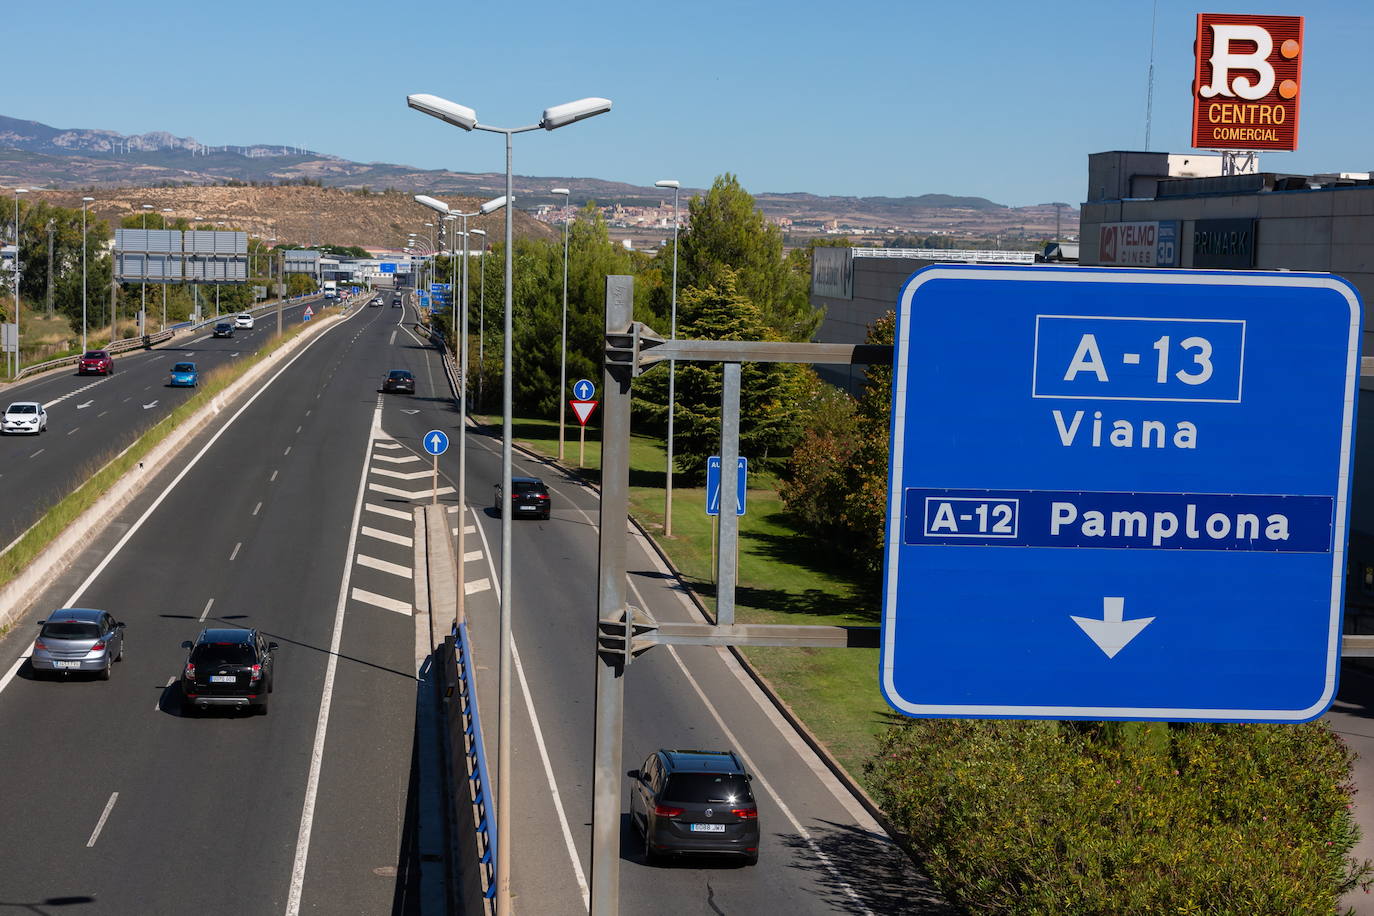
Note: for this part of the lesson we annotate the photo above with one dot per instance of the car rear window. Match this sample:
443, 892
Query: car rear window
234, 653
23, 408
707, 787
398, 373
71, 629
526, 486
184, 367
94, 354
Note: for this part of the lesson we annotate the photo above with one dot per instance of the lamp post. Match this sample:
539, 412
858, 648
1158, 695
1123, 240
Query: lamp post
672, 371
563, 363
84, 202
165, 280
17, 192
143, 306
481, 316
460, 305
552, 119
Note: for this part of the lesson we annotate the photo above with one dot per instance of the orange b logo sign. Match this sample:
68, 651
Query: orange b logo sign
1247, 82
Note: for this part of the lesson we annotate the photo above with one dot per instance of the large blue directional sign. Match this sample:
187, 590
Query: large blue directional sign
1118, 494
387, 267
436, 441
713, 485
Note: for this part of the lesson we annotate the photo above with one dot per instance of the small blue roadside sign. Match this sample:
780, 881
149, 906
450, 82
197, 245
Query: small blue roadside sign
584, 390
713, 485
436, 442
1118, 494
387, 267
440, 287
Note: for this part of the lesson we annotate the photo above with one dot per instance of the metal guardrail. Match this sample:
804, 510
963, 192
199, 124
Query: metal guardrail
119, 346
483, 799
961, 255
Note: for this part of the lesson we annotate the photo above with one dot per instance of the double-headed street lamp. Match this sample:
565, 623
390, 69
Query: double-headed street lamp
563, 350
603, 874
84, 202
672, 370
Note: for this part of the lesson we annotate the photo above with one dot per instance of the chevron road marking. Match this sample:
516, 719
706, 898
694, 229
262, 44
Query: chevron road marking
382, 601
387, 444
408, 494
396, 569
476, 585
402, 475
380, 535
472, 555
388, 512
403, 459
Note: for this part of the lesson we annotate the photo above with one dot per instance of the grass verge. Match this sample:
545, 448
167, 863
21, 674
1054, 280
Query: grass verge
55, 520
784, 577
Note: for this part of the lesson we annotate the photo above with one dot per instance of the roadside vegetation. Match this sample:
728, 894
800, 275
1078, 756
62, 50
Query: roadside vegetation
1009, 817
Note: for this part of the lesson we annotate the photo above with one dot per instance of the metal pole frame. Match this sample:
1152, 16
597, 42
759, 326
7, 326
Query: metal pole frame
563, 364
672, 391
84, 202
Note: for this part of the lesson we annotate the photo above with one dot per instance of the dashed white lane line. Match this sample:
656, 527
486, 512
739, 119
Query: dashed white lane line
100, 824
287, 452
396, 569
381, 535
199, 339
101, 414
408, 494
72, 430
472, 555
382, 601
273, 478
298, 429
234, 556
257, 508
475, 586
157, 707
392, 341
209, 604
72, 394
403, 459
37, 453
388, 512
402, 475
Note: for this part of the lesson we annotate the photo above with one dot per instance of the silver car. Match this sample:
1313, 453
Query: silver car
24, 417
78, 640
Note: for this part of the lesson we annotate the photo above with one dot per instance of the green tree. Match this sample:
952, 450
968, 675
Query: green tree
300, 284
728, 233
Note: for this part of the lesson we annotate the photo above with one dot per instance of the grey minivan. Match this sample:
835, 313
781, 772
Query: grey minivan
75, 639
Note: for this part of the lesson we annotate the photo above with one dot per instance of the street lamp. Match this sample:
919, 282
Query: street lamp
84, 202
165, 279
17, 192
552, 118
563, 364
481, 315
143, 308
672, 371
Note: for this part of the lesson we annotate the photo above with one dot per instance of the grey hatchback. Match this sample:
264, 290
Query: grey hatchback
77, 639
694, 802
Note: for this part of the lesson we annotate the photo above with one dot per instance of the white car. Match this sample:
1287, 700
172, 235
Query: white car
24, 417
244, 321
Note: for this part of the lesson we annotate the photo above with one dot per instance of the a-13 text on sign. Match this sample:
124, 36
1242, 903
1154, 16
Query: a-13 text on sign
1118, 494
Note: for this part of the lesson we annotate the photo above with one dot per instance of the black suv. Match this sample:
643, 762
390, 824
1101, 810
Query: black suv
228, 667
224, 329
694, 802
399, 381
528, 496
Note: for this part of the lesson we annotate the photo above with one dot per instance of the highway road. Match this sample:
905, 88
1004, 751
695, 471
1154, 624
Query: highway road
291, 514
91, 418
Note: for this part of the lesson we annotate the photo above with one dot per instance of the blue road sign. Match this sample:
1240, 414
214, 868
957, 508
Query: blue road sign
387, 267
436, 442
584, 390
713, 485
440, 287
1118, 494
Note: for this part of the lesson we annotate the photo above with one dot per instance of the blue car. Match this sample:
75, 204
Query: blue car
184, 375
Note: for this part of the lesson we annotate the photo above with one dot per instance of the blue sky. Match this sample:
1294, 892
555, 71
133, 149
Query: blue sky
997, 99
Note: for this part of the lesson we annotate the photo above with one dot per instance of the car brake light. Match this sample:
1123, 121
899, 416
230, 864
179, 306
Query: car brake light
257, 672
190, 671
38, 644
662, 810
99, 646
745, 813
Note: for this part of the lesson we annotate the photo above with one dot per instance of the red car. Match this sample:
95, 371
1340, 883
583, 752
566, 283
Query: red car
98, 361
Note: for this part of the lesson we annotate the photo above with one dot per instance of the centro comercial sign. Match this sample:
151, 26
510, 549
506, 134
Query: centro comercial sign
1248, 77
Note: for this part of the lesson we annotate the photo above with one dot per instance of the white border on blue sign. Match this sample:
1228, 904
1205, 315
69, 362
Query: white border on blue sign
1154, 276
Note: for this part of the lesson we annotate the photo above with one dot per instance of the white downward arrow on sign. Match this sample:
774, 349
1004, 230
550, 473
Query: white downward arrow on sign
1112, 633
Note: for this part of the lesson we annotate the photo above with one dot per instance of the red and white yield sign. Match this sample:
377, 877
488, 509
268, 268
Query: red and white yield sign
583, 409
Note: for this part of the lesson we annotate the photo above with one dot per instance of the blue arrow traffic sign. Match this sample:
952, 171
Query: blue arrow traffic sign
1118, 494
713, 485
436, 442
583, 389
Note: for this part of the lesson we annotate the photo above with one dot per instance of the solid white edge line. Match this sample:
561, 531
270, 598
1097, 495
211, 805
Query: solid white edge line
100, 824
147, 513
312, 782
539, 742
14, 670
157, 707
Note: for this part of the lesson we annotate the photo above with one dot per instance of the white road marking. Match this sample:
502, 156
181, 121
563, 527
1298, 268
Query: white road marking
37, 453
157, 707
386, 566
100, 824
233, 556
273, 478
257, 508
312, 782
14, 670
389, 512
472, 555
381, 535
403, 475
387, 445
102, 413
198, 340
72, 430
72, 394
475, 586
543, 750
307, 412
408, 494
127, 400
209, 604
298, 429
382, 601
403, 459
392, 341
287, 452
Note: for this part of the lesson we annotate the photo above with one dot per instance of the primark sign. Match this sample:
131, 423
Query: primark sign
1227, 244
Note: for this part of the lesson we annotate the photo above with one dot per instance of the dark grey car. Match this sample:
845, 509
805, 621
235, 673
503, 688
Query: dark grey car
694, 802
75, 640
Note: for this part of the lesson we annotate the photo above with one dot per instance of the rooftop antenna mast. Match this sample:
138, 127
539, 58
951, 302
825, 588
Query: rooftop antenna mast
1150, 78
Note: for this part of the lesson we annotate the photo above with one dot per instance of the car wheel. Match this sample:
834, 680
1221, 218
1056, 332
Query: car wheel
120, 656
545, 516
751, 859
260, 710
271, 683
104, 674
650, 857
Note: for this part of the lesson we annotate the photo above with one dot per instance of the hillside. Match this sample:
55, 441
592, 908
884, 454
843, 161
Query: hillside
294, 214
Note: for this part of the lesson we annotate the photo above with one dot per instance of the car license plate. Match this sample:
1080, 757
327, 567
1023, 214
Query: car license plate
708, 828
222, 679
66, 664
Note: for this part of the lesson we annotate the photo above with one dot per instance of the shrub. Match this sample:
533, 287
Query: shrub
1134, 818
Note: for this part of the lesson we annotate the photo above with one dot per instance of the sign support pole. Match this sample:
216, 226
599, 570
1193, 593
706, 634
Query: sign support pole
729, 496
434, 483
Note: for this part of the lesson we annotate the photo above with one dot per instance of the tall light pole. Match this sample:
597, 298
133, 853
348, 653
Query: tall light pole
165, 279
481, 316
553, 118
563, 350
17, 192
672, 371
143, 307
84, 202
460, 305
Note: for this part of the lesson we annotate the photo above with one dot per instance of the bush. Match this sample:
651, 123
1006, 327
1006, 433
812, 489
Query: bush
1125, 818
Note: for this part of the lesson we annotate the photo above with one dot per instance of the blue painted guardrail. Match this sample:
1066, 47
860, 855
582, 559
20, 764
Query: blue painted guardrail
479, 774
